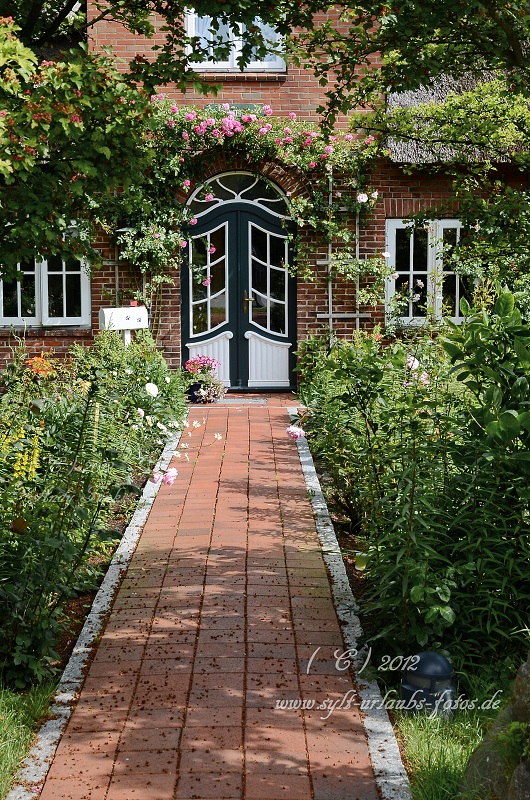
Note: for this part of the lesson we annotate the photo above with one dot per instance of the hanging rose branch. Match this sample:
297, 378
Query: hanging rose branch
183, 141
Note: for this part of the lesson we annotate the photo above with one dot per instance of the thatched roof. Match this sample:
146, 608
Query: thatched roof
414, 152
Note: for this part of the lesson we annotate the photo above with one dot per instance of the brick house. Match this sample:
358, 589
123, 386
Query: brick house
257, 314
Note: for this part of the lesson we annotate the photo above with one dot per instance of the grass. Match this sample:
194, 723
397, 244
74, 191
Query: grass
436, 749
20, 714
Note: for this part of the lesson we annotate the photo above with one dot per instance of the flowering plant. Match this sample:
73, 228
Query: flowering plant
210, 390
203, 369
182, 140
201, 364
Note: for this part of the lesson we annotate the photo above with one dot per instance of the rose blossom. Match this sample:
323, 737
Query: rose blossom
152, 389
295, 432
169, 477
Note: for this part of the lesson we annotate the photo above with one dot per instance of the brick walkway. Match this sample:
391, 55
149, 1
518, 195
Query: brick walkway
225, 601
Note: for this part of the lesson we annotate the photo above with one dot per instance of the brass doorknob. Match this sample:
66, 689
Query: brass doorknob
246, 301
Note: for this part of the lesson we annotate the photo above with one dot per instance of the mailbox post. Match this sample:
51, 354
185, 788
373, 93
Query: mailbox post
124, 320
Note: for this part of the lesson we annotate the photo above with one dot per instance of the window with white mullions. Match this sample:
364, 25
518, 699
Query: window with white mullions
50, 292
454, 287
19, 297
63, 291
422, 285
202, 28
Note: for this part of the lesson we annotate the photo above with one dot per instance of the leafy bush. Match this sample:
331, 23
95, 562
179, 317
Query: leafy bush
427, 446
72, 437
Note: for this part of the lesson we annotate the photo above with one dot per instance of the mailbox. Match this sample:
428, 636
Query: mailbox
126, 320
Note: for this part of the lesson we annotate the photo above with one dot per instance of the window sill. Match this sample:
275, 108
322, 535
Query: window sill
245, 77
44, 330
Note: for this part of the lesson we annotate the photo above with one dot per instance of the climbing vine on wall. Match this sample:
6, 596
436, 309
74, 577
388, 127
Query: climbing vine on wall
182, 142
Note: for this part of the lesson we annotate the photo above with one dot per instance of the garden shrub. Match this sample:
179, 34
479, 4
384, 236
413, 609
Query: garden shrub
426, 443
73, 437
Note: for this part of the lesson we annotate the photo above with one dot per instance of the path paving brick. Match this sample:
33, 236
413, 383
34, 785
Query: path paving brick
206, 683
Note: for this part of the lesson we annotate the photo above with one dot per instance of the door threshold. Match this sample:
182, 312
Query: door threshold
241, 401
260, 390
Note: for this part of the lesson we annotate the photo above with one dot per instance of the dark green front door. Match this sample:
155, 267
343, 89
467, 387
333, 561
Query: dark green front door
238, 300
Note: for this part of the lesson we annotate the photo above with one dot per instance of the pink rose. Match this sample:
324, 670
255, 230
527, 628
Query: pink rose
295, 432
169, 477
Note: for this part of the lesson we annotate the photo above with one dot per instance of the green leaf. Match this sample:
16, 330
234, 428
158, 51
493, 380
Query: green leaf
108, 535
523, 353
504, 305
432, 613
37, 405
524, 420
117, 492
454, 352
417, 593
465, 308
447, 613
509, 424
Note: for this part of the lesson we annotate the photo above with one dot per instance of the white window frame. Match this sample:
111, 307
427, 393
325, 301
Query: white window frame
42, 317
278, 65
433, 268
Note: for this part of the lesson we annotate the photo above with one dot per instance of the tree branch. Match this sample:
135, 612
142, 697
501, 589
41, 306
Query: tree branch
31, 20
49, 32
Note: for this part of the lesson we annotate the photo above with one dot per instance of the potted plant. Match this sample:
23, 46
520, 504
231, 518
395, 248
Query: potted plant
205, 385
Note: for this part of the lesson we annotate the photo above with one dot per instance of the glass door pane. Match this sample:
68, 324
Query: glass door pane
268, 280
208, 276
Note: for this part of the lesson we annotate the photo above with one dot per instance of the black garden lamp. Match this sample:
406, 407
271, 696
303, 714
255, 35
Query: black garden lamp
428, 684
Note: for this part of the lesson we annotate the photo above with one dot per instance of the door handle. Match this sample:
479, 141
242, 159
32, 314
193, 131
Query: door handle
246, 301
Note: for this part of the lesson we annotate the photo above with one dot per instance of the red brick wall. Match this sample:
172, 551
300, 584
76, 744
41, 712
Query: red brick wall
398, 196
296, 90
